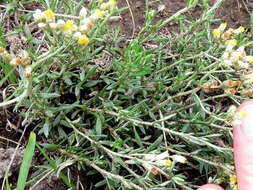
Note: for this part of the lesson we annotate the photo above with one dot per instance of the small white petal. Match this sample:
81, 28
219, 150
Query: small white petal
42, 25
179, 158
83, 12
77, 35
53, 25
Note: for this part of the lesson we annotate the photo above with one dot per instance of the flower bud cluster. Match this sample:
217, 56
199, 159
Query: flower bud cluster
232, 56
22, 59
163, 159
221, 34
70, 28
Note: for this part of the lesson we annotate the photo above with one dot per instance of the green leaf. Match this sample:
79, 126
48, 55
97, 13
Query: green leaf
98, 126
49, 95
26, 163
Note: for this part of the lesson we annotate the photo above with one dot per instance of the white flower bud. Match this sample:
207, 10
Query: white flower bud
162, 156
163, 162
28, 72
53, 25
42, 25
77, 35
83, 12
179, 158
60, 23
83, 28
149, 157
38, 15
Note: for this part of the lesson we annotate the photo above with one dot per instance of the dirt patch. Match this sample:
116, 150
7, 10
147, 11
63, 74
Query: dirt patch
6, 158
235, 13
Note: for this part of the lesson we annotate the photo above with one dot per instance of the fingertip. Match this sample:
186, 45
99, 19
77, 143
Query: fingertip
210, 187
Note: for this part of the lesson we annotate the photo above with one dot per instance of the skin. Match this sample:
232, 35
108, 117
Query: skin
243, 149
210, 187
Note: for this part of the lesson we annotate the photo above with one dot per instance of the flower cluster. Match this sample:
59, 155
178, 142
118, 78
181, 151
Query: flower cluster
162, 159
74, 30
232, 57
21, 59
222, 35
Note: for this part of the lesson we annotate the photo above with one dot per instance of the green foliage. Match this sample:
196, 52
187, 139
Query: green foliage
103, 107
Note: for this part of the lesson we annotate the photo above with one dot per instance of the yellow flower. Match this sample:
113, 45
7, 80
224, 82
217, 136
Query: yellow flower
99, 13
216, 33
248, 59
228, 33
69, 26
222, 26
239, 30
243, 114
112, 2
233, 179
219, 180
49, 15
164, 162
83, 40
168, 162
232, 42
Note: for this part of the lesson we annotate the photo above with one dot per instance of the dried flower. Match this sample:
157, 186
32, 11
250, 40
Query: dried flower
228, 34
247, 92
209, 86
231, 83
231, 91
28, 72
87, 22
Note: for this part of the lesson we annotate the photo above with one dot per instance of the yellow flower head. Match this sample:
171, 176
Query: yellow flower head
216, 33
232, 42
243, 114
168, 162
112, 2
233, 179
239, 30
222, 26
83, 40
49, 15
99, 13
69, 26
